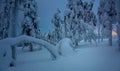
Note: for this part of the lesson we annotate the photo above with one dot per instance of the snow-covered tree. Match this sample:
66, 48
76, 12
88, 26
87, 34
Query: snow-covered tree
106, 13
118, 20
57, 25
9, 12
14, 7
4, 26
30, 18
8, 21
30, 25
4, 20
89, 21
76, 19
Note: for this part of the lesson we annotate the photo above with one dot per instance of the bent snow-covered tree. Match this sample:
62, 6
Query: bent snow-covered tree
9, 57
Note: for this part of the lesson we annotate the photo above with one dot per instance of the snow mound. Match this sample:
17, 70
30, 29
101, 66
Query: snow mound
65, 47
5, 55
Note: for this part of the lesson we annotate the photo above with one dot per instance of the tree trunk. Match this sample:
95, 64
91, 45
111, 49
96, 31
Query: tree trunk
118, 20
31, 47
99, 36
118, 32
13, 19
13, 49
102, 34
110, 34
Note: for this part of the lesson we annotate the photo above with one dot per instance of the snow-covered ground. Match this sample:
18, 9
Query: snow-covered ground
88, 57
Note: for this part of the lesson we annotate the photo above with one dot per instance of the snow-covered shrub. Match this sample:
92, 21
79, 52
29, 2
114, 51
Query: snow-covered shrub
65, 47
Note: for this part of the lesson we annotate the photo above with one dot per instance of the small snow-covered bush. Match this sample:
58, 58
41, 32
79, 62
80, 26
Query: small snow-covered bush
65, 47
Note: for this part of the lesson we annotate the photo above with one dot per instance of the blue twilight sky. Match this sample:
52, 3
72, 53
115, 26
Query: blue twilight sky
47, 8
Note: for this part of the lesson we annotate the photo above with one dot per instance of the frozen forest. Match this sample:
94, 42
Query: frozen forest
59, 35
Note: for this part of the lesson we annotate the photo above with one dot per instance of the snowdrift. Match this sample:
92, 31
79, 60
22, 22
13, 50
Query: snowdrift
5, 55
65, 47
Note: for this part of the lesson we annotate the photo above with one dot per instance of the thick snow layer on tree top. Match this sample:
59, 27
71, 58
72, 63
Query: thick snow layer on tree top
65, 47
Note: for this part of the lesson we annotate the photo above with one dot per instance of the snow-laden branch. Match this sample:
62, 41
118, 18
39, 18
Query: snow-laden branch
14, 41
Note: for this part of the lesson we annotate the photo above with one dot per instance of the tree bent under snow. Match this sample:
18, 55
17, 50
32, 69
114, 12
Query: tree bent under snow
13, 42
